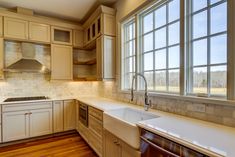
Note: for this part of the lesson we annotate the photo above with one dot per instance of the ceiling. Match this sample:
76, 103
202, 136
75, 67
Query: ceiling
75, 10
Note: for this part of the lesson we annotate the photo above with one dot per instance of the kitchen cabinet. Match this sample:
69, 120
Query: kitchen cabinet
15, 28
69, 115
58, 116
0, 124
61, 35
39, 32
108, 27
20, 121
105, 51
40, 122
1, 58
1, 26
61, 62
113, 146
78, 38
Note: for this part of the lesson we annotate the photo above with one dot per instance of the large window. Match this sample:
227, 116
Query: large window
208, 47
201, 69
160, 39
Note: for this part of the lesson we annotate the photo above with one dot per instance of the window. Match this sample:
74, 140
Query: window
208, 48
156, 33
129, 53
160, 39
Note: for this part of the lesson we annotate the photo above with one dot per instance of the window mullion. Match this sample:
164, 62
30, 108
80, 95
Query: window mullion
208, 49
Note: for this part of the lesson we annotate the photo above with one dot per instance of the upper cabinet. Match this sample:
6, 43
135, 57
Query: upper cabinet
1, 26
103, 24
39, 32
61, 35
1, 58
15, 28
78, 38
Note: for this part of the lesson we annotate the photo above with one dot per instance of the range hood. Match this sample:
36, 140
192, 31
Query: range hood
27, 63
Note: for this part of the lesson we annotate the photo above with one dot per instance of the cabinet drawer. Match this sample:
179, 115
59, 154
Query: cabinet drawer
83, 131
96, 113
96, 143
26, 106
96, 126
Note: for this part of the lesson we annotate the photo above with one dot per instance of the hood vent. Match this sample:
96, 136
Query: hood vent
27, 63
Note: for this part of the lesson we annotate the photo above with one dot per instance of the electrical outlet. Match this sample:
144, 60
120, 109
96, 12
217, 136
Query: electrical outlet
197, 108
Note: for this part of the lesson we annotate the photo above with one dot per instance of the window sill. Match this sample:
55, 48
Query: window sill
211, 100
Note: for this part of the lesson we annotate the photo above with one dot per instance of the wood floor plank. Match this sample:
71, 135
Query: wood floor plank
71, 145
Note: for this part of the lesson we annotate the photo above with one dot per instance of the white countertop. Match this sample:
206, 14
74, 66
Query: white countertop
206, 137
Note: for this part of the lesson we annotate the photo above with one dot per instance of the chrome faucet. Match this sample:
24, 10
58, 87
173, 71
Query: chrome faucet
147, 102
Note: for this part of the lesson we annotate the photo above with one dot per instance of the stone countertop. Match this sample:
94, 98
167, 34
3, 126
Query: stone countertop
206, 137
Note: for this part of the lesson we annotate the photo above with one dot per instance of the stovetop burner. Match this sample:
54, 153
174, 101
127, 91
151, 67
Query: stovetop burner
26, 98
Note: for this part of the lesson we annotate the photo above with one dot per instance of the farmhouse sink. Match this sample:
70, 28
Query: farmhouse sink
122, 123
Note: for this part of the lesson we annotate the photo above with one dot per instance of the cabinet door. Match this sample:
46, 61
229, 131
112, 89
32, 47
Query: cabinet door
39, 32
105, 51
1, 58
61, 35
77, 38
69, 115
58, 116
128, 151
15, 125
40, 122
61, 62
111, 146
1, 26
15, 28
108, 25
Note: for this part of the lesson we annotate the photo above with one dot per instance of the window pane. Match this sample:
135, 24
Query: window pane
174, 10
200, 80
129, 49
160, 38
214, 1
200, 52
148, 22
219, 18
174, 33
130, 32
160, 80
149, 79
148, 42
174, 57
160, 16
199, 4
130, 62
219, 49
174, 80
200, 25
160, 59
127, 80
218, 80
148, 61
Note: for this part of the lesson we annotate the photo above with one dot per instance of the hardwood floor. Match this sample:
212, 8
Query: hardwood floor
70, 145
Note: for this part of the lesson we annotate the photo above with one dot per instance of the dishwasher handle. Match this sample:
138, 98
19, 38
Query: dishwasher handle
158, 147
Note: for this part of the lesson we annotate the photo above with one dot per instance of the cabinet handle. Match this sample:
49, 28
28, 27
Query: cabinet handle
26, 114
30, 113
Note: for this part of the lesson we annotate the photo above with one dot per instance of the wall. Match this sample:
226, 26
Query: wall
217, 113
35, 84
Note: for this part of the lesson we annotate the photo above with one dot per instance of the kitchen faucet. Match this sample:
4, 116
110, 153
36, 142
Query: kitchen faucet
147, 102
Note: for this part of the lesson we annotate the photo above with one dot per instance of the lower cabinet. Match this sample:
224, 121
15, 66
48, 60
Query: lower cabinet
64, 115
115, 147
31, 122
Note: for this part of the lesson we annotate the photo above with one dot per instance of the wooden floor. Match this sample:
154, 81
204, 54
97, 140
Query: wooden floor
70, 145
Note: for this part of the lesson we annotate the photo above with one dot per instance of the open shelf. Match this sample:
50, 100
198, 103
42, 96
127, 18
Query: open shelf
89, 62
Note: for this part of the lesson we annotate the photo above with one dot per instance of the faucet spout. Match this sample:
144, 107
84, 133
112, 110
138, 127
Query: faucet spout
147, 102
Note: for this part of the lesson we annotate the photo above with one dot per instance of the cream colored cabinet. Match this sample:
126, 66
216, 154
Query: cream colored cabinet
1, 26
1, 58
113, 146
61, 62
69, 115
61, 35
15, 28
108, 25
105, 51
40, 122
15, 125
58, 116
20, 121
39, 32
78, 38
